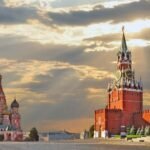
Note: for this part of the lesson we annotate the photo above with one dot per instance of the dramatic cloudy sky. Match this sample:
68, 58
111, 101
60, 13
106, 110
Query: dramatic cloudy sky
57, 56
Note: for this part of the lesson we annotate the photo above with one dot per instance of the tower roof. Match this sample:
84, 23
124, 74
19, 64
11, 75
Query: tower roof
14, 104
123, 44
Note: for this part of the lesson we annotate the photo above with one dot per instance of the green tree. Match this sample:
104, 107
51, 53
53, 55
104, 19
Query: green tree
147, 130
142, 131
91, 131
1, 137
128, 130
138, 131
132, 130
34, 135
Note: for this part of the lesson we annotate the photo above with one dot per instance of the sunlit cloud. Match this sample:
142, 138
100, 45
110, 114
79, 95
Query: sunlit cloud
107, 28
113, 3
22, 96
95, 94
136, 26
100, 48
37, 3
67, 35
132, 43
138, 42
28, 70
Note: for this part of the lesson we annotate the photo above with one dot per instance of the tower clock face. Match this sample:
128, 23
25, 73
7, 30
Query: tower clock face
129, 74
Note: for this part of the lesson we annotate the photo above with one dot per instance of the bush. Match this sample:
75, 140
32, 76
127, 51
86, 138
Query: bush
91, 131
128, 130
142, 131
27, 139
1, 137
34, 135
133, 136
138, 131
132, 130
147, 131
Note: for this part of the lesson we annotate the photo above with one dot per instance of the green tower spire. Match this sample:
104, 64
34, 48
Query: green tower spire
123, 44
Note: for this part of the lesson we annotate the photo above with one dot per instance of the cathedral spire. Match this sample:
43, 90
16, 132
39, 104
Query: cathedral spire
0, 79
1, 88
123, 44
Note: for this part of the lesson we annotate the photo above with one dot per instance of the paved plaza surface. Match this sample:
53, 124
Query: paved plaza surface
69, 145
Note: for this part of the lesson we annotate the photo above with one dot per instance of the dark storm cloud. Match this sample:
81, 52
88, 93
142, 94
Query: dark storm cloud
21, 50
21, 15
32, 50
17, 15
120, 13
1, 2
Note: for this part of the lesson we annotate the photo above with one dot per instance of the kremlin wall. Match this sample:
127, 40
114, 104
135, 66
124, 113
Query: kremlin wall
125, 99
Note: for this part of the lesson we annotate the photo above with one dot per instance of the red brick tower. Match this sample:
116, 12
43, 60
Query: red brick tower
126, 93
125, 98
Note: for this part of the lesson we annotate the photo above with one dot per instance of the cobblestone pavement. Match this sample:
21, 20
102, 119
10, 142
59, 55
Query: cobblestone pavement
71, 146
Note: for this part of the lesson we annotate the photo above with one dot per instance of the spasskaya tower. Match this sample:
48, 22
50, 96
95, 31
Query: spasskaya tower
125, 98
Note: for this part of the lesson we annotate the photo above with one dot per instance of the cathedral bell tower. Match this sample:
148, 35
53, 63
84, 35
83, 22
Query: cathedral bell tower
4, 114
3, 105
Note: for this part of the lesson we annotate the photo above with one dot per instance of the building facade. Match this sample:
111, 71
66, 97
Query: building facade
10, 128
57, 135
125, 99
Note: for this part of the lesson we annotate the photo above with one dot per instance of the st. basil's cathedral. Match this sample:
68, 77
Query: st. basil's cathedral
10, 128
124, 101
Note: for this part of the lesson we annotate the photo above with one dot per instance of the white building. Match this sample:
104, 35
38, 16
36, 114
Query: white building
57, 135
